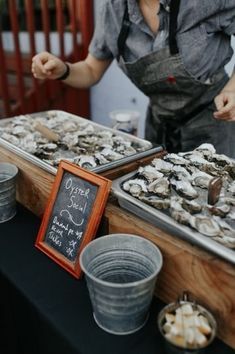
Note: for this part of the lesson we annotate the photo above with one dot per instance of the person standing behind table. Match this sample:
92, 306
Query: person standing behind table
175, 53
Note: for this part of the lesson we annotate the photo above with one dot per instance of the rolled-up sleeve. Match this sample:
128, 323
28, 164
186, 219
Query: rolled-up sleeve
227, 17
98, 46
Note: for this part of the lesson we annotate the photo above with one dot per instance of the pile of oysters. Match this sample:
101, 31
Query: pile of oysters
180, 185
79, 140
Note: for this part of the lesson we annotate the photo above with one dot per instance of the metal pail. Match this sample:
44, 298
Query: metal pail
121, 271
8, 173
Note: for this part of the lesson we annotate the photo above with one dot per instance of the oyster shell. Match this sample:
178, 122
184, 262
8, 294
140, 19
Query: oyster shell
181, 216
219, 210
110, 154
199, 161
70, 139
201, 179
160, 187
180, 172
191, 206
220, 159
176, 203
228, 200
205, 225
19, 130
100, 158
226, 241
231, 170
135, 186
176, 159
49, 146
231, 188
85, 129
149, 172
155, 201
69, 126
184, 188
162, 166
206, 149
11, 138
85, 161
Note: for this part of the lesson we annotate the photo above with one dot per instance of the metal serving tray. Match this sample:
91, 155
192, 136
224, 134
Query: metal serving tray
166, 222
146, 145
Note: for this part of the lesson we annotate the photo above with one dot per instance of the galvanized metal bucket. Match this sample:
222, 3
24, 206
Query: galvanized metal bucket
8, 173
121, 271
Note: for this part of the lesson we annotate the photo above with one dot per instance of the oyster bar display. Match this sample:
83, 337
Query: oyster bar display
190, 194
55, 135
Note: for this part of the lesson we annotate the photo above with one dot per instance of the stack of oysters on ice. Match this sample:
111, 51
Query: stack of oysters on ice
80, 141
179, 184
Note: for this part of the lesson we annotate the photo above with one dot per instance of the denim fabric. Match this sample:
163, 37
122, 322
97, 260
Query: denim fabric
203, 34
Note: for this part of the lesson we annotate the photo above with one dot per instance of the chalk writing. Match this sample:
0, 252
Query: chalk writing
70, 214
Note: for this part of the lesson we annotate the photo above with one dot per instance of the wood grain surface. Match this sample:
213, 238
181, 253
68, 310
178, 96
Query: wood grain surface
209, 279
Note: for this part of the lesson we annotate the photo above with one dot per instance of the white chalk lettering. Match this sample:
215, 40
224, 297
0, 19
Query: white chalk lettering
71, 232
76, 190
78, 206
60, 224
69, 251
79, 235
55, 238
72, 244
57, 231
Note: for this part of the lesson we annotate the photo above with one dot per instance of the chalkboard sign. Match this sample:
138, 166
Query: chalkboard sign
72, 215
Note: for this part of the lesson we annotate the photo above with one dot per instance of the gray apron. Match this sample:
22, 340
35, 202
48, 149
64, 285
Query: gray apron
180, 114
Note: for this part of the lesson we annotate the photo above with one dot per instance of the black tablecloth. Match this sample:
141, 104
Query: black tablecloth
44, 310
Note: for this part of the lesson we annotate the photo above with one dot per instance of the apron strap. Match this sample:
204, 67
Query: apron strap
174, 11
123, 33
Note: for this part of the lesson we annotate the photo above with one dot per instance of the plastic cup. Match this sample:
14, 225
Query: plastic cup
125, 120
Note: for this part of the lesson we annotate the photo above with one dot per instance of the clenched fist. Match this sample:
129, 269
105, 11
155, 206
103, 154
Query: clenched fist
47, 66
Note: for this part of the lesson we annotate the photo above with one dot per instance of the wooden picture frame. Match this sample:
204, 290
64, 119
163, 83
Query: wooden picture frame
72, 215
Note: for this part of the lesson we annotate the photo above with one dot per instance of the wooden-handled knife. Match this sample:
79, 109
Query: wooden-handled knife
46, 132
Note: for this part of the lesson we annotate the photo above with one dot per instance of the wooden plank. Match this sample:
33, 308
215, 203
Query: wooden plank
34, 184
210, 280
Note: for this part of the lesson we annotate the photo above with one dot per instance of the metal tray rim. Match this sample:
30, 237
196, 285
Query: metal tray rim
165, 222
53, 170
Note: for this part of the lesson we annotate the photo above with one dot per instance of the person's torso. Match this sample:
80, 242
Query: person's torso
199, 33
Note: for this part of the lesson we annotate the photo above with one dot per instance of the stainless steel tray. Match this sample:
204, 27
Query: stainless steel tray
166, 223
146, 145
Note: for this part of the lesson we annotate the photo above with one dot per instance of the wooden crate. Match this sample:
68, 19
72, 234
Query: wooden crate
34, 184
209, 279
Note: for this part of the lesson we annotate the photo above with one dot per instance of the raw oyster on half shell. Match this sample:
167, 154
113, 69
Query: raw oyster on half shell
205, 225
184, 188
136, 187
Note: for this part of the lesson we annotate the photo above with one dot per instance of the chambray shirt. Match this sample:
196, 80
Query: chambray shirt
204, 32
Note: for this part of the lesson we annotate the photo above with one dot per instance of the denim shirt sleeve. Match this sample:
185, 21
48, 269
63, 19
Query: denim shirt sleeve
98, 46
227, 17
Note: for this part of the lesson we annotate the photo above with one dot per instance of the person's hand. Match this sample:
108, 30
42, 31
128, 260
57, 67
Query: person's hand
47, 66
225, 104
